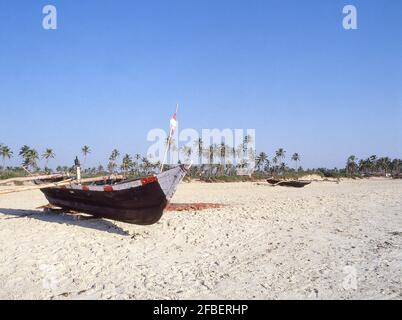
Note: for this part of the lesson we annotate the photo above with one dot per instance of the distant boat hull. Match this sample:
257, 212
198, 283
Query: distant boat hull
140, 201
289, 183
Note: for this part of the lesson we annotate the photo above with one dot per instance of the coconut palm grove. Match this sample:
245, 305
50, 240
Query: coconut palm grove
215, 162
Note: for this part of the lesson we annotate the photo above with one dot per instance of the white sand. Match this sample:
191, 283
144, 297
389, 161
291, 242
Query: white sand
328, 240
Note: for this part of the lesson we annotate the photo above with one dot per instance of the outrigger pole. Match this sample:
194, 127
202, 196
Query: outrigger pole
172, 129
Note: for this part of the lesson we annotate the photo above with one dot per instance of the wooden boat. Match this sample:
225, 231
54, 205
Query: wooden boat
289, 183
138, 201
273, 181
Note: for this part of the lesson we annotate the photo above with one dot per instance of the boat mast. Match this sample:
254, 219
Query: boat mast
172, 128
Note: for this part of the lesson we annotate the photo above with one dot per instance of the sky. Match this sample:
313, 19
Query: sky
114, 70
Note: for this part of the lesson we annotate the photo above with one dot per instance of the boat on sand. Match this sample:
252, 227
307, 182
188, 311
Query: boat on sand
138, 201
289, 183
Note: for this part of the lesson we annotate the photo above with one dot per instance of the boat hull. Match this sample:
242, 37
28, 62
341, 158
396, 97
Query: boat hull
290, 183
132, 202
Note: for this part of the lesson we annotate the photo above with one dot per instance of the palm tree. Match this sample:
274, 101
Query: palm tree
100, 169
233, 153
296, 158
29, 156
384, 164
362, 165
24, 151
396, 166
48, 154
351, 165
31, 159
170, 144
200, 148
210, 154
115, 154
246, 140
239, 152
261, 159
85, 151
136, 163
5, 153
275, 162
112, 160
187, 152
365, 165
111, 167
146, 165
373, 163
280, 154
251, 157
127, 163
224, 152
266, 165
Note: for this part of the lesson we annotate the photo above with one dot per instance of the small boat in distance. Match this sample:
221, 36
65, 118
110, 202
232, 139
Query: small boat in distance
288, 183
138, 201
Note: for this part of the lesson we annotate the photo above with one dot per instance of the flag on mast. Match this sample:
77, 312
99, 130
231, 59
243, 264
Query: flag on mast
173, 123
173, 120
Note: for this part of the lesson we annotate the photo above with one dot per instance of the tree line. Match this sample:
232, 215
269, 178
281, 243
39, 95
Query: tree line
213, 160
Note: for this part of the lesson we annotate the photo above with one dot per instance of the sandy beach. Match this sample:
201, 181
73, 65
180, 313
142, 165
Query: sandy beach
325, 241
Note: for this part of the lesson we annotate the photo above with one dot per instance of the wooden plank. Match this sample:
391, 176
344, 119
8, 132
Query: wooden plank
113, 177
57, 184
32, 178
41, 186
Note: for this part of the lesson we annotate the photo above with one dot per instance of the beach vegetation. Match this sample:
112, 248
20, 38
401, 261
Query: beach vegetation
219, 165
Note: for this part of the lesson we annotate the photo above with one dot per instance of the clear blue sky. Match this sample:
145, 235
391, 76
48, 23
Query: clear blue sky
286, 68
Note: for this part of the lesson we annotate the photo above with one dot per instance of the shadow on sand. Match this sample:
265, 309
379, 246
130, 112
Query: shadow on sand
93, 223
